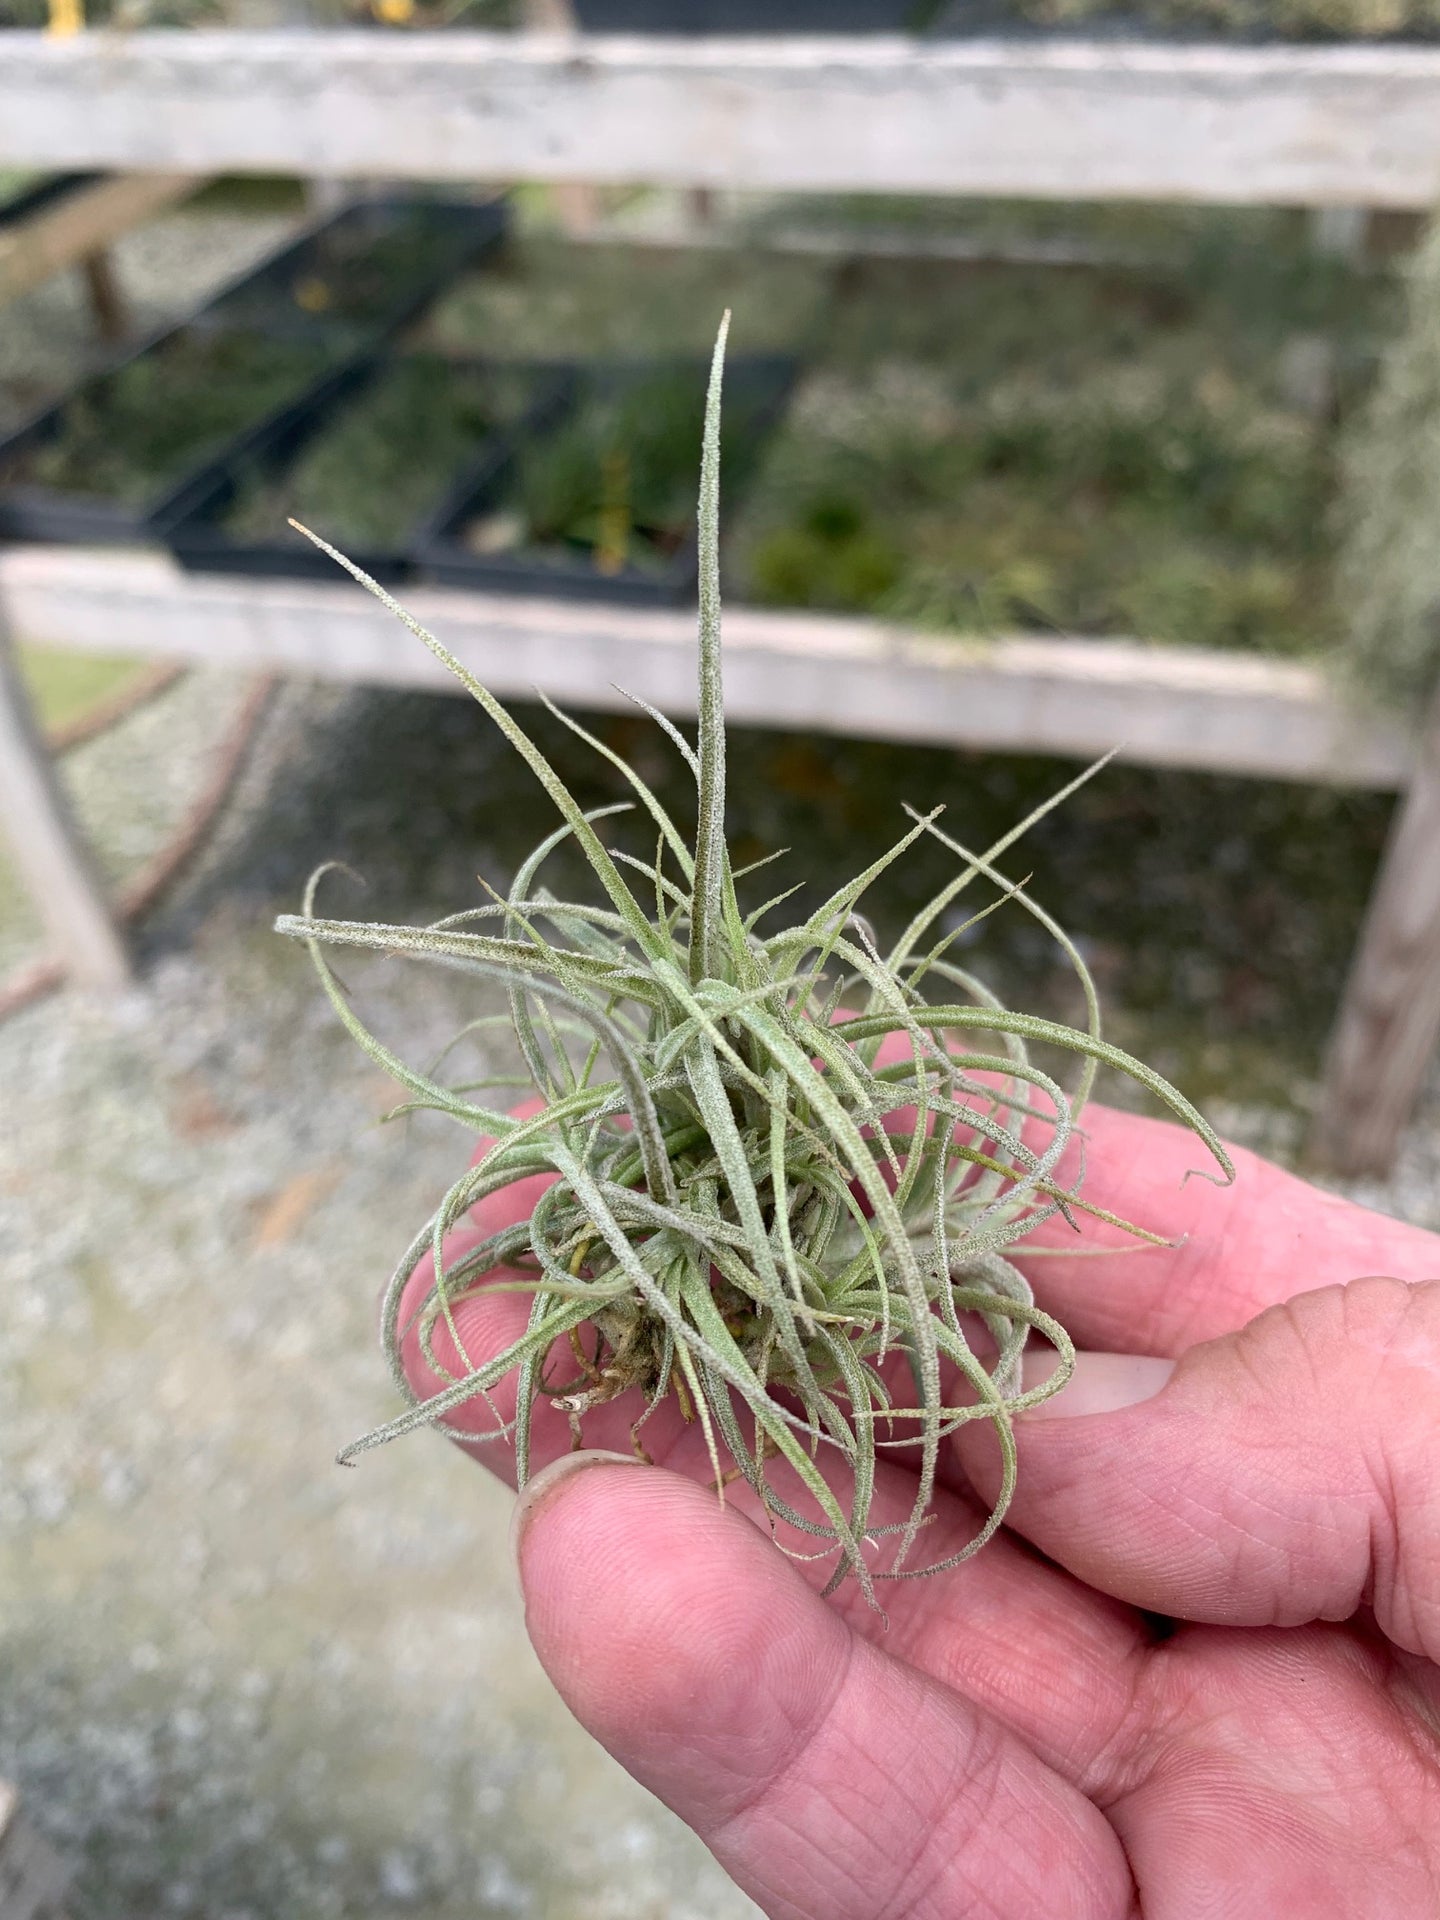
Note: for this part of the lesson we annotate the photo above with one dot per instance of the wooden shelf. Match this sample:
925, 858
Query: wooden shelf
1164, 706
1306, 126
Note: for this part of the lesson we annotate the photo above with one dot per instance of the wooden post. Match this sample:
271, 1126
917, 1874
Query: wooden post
577, 202
326, 193
33, 1878
48, 847
107, 303
1389, 1018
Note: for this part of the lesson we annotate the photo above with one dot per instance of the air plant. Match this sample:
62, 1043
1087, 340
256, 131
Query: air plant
794, 1222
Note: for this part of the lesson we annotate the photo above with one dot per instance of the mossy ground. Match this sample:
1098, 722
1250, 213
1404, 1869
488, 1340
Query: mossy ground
1148, 449
1149, 452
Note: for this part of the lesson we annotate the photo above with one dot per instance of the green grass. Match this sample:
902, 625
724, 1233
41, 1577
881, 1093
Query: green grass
15, 181
1151, 454
63, 686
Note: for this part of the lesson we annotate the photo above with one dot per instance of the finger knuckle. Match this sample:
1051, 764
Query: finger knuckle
1362, 1327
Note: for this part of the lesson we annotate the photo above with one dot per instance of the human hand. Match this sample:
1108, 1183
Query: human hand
1024, 1740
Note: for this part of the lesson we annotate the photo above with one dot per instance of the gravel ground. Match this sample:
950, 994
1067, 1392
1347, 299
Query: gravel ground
235, 1681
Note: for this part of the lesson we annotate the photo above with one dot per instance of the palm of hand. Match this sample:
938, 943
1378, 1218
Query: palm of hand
1024, 1740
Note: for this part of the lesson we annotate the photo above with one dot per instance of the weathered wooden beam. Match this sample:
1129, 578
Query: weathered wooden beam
1389, 1019
1308, 126
74, 229
51, 854
1162, 706
107, 302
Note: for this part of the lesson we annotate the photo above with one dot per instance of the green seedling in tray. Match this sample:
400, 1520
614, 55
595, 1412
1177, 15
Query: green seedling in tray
384, 461
613, 484
131, 433
1165, 518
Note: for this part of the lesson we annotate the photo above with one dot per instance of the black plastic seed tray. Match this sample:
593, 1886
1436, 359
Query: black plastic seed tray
599, 502
108, 462
368, 464
200, 393
366, 270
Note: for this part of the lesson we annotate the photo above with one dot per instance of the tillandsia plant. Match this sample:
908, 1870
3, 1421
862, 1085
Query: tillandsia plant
796, 1223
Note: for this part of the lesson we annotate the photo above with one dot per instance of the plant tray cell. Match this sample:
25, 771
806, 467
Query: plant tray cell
368, 465
366, 270
600, 505
543, 297
106, 463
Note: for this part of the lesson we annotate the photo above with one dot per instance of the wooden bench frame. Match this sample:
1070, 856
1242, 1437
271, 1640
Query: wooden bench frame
76, 229
1162, 706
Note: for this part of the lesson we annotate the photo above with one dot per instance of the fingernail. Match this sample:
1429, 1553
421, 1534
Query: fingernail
1101, 1383
538, 1488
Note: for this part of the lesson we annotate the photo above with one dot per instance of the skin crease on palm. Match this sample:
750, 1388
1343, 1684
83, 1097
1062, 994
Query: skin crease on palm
1024, 1740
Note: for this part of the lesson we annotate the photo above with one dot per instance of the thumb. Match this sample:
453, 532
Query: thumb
1280, 1474
832, 1780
